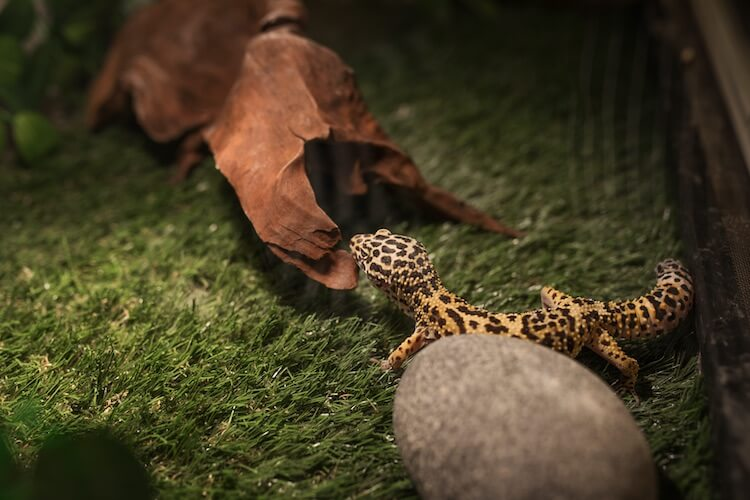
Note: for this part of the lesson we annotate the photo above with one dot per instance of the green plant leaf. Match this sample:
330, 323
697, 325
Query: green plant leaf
34, 136
78, 31
11, 61
10, 472
89, 465
17, 18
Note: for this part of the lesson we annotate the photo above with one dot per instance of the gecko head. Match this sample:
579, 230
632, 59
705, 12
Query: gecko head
396, 264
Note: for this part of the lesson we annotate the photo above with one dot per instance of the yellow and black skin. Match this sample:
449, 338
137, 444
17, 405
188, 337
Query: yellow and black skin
399, 266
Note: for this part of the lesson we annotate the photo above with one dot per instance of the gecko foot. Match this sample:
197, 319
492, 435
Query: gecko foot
384, 364
624, 387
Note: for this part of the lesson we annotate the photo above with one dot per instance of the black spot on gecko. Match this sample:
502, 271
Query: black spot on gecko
496, 328
525, 324
657, 306
570, 344
546, 340
644, 311
457, 318
471, 311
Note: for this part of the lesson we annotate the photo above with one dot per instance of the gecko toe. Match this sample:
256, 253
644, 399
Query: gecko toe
384, 364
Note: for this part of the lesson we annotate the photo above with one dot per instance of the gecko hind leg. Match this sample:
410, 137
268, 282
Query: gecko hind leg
603, 344
552, 298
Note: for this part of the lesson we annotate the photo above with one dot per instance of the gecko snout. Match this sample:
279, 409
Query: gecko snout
359, 247
356, 243
356, 240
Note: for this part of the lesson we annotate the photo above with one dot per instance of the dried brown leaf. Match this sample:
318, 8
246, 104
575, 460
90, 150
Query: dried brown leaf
233, 73
289, 92
177, 59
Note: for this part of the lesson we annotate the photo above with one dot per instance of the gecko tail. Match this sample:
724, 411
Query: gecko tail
661, 309
671, 271
650, 315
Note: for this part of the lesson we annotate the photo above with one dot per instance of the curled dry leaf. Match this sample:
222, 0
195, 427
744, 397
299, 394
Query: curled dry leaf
291, 91
176, 61
232, 72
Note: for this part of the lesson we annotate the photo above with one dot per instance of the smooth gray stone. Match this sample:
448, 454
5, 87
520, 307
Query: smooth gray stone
480, 416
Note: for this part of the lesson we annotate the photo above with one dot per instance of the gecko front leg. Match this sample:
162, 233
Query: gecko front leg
412, 344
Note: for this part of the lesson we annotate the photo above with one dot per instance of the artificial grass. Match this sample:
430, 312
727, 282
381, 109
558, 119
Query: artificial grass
153, 311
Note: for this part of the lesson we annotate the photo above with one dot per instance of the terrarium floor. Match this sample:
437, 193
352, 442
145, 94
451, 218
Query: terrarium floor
153, 310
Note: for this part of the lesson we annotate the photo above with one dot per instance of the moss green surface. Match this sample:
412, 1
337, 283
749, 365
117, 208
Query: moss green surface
153, 310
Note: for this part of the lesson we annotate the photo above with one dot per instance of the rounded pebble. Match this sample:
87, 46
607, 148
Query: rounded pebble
481, 416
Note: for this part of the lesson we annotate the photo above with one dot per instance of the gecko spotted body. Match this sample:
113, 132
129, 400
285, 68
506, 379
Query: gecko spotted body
400, 267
